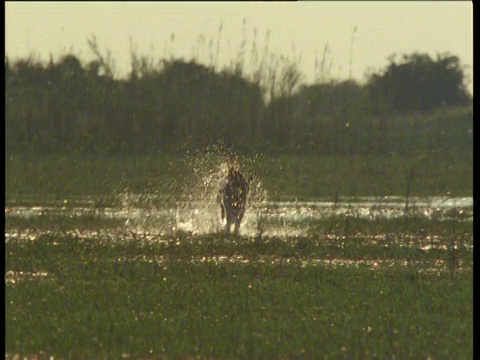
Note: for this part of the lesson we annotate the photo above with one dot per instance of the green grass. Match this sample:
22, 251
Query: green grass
368, 175
350, 288
212, 296
78, 175
302, 177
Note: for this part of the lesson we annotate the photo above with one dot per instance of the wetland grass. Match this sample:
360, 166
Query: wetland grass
299, 176
211, 296
80, 285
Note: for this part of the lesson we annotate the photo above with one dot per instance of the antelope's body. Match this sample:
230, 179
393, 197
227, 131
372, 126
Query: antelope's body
233, 199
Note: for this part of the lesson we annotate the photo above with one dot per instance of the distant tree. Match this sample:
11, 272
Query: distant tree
344, 100
418, 83
196, 107
324, 113
179, 106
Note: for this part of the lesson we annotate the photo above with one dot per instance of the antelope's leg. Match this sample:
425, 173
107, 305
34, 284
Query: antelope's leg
223, 210
237, 227
227, 229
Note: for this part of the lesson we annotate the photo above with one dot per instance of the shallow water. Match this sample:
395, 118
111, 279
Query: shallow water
158, 219
274, 218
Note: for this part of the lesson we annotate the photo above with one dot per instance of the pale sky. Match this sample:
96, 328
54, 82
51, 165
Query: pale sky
360, 35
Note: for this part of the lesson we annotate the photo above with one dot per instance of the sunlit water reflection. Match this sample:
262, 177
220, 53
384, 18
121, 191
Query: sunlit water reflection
158, 219
283, 218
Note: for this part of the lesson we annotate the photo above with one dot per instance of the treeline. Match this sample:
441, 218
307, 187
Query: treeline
181, 106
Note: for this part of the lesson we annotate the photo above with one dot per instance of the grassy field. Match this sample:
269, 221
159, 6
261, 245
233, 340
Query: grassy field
387, 289
210, 298
348, 288
294, 176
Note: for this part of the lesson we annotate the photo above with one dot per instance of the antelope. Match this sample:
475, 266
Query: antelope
233, 199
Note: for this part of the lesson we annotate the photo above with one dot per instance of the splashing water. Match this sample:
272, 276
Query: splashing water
200, 213
197, 209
